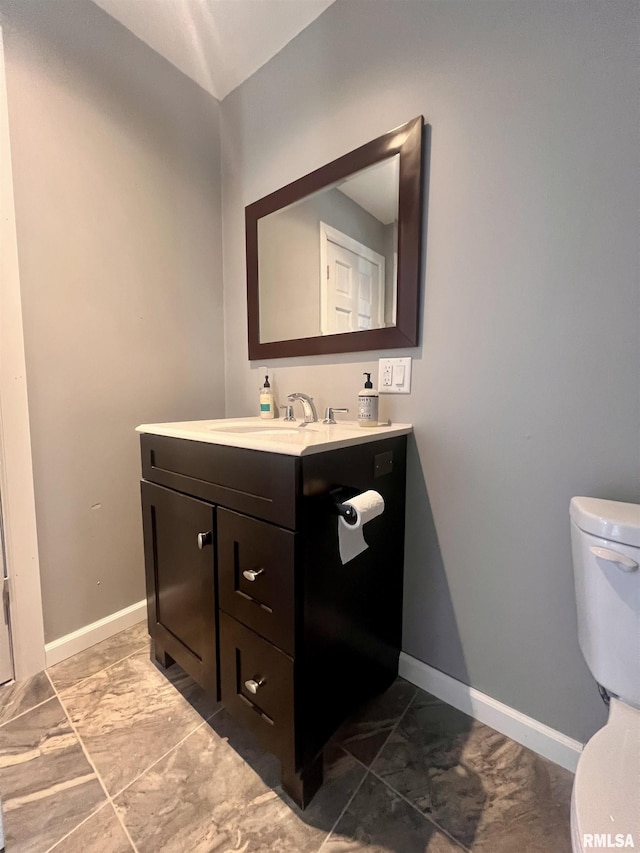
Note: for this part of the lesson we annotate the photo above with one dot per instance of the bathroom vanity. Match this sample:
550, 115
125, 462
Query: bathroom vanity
246, 589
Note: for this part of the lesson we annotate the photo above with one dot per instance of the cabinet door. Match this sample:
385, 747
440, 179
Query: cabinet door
180, 571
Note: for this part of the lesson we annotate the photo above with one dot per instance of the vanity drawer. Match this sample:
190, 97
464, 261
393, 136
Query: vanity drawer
256, 575
261, 484
268, 712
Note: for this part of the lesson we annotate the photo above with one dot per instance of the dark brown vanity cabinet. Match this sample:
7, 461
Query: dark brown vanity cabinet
247, 593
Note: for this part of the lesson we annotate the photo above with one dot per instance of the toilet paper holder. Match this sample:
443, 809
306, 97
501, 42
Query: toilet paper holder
347, 512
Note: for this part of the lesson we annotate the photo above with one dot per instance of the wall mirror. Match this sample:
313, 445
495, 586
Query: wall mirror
333, 259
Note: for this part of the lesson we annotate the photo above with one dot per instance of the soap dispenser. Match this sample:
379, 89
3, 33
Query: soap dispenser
368, 404
267, 403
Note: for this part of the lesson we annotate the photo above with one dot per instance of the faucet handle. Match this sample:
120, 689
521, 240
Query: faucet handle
329, 413
288, 413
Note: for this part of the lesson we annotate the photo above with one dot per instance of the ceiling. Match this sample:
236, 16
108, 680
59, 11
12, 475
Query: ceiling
218, 43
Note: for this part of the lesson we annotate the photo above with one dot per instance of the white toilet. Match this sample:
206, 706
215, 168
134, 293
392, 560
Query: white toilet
605, 543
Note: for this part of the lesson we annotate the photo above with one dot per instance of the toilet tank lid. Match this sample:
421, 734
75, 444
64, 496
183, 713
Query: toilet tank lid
612, 520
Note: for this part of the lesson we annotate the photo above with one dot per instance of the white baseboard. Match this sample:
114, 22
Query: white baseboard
94, 633
542, 739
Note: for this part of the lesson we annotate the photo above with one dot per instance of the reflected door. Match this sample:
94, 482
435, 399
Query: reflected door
353, 298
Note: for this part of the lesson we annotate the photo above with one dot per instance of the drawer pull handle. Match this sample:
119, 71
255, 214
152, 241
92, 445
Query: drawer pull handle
204, 539
252, 685
252, 574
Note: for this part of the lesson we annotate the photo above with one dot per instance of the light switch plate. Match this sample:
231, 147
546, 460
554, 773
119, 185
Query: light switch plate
394, 375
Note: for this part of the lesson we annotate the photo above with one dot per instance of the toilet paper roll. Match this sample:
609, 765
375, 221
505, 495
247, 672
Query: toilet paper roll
351, 542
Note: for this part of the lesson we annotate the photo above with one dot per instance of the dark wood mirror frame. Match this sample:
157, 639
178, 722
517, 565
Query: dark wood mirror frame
406, 141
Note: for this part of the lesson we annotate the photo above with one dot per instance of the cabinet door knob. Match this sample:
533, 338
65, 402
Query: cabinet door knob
252, 574
252, 685
204, 539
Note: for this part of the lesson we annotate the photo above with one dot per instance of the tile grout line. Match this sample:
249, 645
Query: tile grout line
111, 798
402, 796
422, 814
93, 674
397, 723
27, 711
347, 804
391, 788
164, 755
366, 773
95, 770
82, 823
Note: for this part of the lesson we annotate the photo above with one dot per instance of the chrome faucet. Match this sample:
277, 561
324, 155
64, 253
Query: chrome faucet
310, 414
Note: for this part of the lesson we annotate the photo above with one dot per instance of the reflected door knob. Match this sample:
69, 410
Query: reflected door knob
253, 684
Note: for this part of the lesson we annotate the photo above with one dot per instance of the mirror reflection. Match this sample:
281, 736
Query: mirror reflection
327, 264
333, 258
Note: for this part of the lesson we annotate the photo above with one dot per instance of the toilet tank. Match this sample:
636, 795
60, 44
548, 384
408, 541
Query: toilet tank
605, 544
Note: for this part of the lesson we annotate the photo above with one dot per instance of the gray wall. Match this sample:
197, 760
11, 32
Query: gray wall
116, 171
525, 388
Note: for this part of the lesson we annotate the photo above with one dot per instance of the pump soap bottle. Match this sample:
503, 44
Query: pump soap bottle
368, 404
267, 403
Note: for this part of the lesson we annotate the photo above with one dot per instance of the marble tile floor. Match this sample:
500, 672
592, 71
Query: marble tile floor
105, 753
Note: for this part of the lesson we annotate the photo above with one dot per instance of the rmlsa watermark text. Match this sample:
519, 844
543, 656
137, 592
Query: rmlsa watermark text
606, 840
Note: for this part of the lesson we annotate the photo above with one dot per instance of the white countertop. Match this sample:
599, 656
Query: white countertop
276, 436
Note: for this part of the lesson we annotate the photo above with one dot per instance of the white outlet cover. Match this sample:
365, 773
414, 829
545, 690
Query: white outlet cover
389, 368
